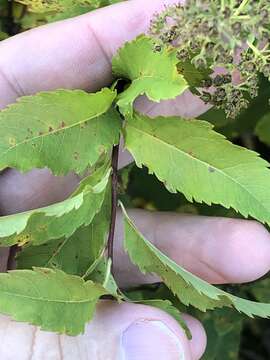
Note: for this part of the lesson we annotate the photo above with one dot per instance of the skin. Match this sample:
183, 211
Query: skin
76, 53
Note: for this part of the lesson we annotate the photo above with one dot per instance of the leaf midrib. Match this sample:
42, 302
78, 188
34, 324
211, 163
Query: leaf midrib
55, 131
46, 300
161, 78
202, 162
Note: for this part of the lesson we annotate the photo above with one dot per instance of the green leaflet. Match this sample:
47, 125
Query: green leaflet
187, 287
263, 129
152, 73
49, 298
38, 226
76, 254
64, 130
188, 156
101, 274
193, 75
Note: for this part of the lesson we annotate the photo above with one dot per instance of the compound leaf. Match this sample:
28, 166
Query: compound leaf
49, 298
190, 289
38, 226
64, 130
153, 73
188, 156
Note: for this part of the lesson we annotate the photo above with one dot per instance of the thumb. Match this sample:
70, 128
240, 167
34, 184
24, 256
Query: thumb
118, 331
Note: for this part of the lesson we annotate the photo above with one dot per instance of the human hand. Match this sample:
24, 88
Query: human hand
76, 53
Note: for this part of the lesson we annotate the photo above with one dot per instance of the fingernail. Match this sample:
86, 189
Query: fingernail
145, 340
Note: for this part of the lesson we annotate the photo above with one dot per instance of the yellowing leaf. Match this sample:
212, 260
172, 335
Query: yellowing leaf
188, 156
50, 299
73, 255
38, 226
153, 73
190, 289
63, 130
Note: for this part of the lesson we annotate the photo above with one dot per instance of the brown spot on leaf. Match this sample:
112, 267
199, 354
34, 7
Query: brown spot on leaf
50, 129
12, 141
40, 133
101, 149
23, 239
45, 271
83, 125
76, 155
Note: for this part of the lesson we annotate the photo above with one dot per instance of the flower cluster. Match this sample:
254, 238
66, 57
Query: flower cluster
231, 37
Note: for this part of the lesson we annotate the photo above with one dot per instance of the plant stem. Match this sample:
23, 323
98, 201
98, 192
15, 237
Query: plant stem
11, 27
115, 156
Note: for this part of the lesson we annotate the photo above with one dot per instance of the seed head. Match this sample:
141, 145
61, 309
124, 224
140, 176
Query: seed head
215, 33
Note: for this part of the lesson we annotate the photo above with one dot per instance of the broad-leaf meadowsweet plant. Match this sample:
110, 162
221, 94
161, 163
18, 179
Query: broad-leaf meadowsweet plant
220, 51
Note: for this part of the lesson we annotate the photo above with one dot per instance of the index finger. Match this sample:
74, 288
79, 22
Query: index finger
74, 53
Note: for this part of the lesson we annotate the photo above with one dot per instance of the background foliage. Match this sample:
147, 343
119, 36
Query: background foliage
231, 336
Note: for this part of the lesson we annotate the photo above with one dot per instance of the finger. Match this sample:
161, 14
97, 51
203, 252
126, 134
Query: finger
124, 331
74, 53
194, 242
197, 348
37, 188
34, 189
187, 105
219, 250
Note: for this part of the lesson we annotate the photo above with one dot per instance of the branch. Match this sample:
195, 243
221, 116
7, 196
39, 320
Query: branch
115, 156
